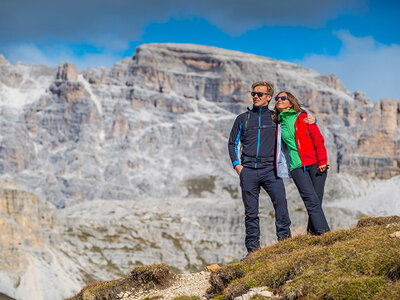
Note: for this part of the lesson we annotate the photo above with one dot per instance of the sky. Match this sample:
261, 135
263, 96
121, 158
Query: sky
357, 40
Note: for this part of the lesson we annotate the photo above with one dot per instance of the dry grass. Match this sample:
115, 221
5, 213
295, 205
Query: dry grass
147, 277
360, 263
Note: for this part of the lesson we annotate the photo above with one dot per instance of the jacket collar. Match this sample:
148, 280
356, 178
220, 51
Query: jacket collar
257, 109
286, 113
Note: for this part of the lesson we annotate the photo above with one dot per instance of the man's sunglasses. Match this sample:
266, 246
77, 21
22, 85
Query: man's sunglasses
259, 94
283, 98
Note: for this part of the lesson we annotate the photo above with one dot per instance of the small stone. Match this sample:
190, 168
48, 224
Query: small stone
262, 291
213, 267
395, 234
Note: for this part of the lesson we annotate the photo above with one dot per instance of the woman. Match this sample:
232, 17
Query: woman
302, 156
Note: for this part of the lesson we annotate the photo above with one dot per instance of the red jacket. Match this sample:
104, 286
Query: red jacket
310, 144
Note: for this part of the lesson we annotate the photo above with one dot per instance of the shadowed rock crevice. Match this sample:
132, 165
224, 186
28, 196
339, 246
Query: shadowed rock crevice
4, 296
394, 273
196, 186
152, 276
220, 279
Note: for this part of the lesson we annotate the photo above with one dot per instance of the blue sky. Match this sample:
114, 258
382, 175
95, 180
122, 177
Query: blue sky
357, 40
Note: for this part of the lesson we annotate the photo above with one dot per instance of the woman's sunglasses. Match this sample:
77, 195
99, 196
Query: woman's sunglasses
282, 98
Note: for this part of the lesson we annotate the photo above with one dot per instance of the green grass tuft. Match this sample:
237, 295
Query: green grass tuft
148, 277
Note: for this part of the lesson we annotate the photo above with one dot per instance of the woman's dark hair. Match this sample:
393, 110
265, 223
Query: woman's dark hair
296, 105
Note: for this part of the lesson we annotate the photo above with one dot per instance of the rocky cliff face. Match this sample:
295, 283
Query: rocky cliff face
153, 130
117, 133
32, 265
378, 145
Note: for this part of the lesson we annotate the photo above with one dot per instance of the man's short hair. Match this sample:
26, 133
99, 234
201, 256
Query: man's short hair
269, 85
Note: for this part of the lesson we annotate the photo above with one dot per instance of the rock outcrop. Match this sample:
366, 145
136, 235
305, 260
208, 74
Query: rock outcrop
67, 71
378, 145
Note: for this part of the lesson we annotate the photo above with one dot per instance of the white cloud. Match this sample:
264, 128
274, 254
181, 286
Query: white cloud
29, 53
362, 64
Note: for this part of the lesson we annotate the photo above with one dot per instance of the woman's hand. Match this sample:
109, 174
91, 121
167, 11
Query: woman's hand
310, 119
322, 168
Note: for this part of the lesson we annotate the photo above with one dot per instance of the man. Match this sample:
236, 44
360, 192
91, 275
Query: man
256, 133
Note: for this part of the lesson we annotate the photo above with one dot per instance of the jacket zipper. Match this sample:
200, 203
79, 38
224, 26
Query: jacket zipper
259, 131
296, 140
298, 144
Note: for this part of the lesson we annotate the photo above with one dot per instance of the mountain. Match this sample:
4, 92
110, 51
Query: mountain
133, 159
158, 121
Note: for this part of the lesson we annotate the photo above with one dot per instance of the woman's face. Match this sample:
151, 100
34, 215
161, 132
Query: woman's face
281, 104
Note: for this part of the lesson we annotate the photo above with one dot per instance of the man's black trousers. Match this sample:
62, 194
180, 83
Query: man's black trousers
250, 181
310, 183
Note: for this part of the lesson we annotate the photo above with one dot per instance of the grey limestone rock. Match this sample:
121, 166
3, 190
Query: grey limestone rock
67, 71
117, 133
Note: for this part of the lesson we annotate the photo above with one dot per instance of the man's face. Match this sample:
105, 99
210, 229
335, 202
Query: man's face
264, 99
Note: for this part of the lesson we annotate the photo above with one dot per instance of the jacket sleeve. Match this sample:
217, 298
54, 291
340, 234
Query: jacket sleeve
233, 142
319, 144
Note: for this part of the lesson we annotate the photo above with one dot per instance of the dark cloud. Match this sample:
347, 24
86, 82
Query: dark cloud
101, 21
75, 20
236, 17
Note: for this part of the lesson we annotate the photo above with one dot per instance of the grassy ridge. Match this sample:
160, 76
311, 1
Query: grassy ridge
360, 263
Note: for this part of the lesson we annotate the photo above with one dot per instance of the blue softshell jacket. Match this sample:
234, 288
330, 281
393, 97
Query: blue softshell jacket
257, 141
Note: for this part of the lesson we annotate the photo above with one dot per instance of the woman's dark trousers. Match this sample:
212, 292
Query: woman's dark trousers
311, 182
